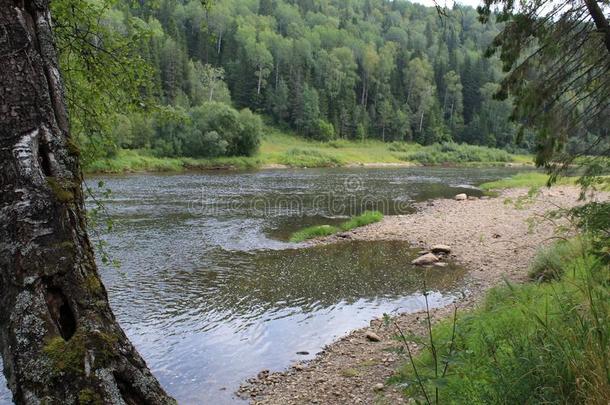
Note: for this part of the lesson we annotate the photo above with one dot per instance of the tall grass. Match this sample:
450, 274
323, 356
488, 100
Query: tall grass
367, 217
531, 343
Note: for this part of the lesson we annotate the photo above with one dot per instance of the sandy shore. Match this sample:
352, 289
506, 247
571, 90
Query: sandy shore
495, 239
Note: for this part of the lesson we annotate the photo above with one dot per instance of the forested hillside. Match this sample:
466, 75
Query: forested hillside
360, 69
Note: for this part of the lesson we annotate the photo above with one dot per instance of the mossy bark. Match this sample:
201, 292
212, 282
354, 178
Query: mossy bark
59, 339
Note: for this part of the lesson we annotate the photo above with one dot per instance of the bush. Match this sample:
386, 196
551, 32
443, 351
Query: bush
298, 157
210, 130
250, 133
324, 131
450, 152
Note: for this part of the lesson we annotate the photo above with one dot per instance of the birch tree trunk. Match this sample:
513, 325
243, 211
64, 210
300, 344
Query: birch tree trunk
59, 339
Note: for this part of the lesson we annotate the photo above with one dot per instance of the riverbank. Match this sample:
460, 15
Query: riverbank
495, 238
280, 150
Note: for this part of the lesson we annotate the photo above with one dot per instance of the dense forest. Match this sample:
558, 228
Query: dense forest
361, 69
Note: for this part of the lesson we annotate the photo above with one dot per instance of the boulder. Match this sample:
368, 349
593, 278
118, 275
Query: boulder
441, 249
426, 259
460, 197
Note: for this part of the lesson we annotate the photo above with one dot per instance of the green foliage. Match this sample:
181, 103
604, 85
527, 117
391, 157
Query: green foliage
327, 71
102, 75
532, 343
594, 218
447, 153
557, 75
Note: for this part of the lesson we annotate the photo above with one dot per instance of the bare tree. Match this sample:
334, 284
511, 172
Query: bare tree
60, 341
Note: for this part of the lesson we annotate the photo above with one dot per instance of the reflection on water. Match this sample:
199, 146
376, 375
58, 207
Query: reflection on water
210, 292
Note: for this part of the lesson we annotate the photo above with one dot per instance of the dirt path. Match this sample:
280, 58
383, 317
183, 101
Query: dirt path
493, 238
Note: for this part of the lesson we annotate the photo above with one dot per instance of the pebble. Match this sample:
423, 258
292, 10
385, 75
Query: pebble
372, 336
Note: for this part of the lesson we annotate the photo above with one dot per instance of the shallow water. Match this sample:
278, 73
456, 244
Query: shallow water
210, 292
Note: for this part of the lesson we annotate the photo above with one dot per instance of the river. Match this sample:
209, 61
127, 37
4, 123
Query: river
210, 290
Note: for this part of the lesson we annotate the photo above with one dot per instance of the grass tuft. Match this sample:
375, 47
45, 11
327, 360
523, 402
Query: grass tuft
367, 217
313, 232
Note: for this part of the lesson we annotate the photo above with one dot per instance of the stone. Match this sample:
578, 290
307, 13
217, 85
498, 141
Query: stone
441, 249
298, 366
378, 387
426, 259
372, 336
303, 353
460, 197
440, 264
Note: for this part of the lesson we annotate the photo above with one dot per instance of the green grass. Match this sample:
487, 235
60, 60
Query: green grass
283, 149
530, 343
367, 217
313, 232
525, 180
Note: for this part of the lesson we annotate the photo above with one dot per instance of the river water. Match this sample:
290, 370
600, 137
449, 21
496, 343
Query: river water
210, 291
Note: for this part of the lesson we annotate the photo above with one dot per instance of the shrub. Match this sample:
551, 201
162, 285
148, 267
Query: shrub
450, 152
323, 131
299, 157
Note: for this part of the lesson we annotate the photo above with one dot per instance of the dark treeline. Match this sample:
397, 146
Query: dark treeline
359, 69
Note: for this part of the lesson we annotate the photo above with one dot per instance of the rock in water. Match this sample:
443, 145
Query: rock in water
372, 336
441, 249
460, 197
428, 258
